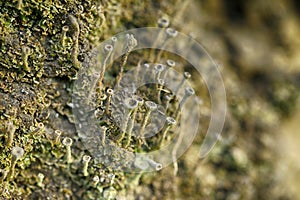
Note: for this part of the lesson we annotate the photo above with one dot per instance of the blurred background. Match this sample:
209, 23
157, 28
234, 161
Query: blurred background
257, 46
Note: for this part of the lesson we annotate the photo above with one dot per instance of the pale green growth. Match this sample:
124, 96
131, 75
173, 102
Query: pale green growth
57, 134
85, 159
102, 98
96, 180
25, 54
188, 92
102, 17
65, 29
150, 106
131, 104
169, 123
155, 165
75, 50
161, 83
40, 128
3, 174
104, 129
168, 98
95, 78
170, 64
112, 178
11, 129
110, 92
113, 42
40, 180
171, 33
17, 153
110, 193
108, 49
186, 76
159, 68
20, 4
141, 163
67, 142
137, 101
163, 23
145, 69
130, 43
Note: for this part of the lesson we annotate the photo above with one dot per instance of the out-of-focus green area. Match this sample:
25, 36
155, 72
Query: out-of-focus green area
257, 46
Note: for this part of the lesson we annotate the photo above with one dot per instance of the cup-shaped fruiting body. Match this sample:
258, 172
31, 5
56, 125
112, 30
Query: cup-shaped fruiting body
187, 93
40, 128
113, 40
25, 54
109, 92
150, 106
17, 153
11, 129
102, 98
159, 68
40, 180
186, 76
170, 64
155, 165
169, 123
67, 142
139, 100
163, 22
170, 33
131, 105
65, 29
85, 159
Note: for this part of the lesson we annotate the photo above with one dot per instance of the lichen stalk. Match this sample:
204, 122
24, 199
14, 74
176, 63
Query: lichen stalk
75, 49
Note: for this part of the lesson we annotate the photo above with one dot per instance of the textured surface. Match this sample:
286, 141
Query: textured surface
256, 44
